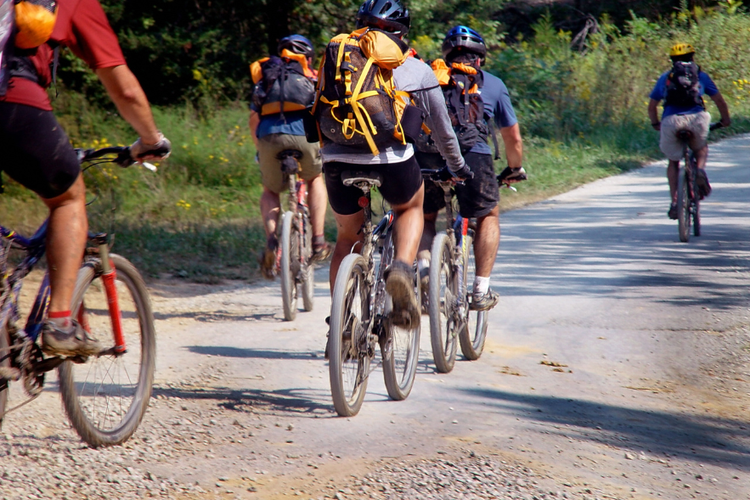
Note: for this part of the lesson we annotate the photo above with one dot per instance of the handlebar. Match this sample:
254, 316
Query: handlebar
122, 159
716, 126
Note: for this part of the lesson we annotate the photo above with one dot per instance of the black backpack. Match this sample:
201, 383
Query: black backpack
683, 85
282, 87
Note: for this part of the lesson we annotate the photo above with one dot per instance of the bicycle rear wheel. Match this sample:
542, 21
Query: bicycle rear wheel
399, 346
308, 276
683, 204
289, 265
106, 397
349, 359
474, 332
695, 206
442, 304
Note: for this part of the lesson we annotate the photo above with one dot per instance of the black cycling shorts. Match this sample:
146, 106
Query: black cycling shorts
476, 197
401, 181
35, 151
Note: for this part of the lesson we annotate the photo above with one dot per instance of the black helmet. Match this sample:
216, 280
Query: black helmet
387, 15
463, 36
297, 44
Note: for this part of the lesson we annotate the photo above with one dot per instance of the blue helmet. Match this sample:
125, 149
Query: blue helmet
463, 38
297, 44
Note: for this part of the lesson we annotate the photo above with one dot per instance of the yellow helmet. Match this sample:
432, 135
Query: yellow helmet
680, 49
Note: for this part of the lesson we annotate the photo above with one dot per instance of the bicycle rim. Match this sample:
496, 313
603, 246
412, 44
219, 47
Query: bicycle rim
308, 275
289, 265
695, 206
683, 209
106, 397
349, 360
443, 302
474, 332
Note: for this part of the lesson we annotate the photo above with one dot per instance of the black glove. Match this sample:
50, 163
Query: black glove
463, 173
510, 175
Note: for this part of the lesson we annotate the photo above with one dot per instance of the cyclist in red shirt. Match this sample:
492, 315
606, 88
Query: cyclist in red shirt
36, 151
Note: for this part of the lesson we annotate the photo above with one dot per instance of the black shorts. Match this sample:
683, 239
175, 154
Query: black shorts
401, 181
35, 151
476, 197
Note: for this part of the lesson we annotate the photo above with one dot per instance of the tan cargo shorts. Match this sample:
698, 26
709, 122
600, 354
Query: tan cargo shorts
270, 167
697, 123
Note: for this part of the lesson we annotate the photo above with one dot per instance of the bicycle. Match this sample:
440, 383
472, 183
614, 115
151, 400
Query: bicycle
105, 396
688, 195
360, 319
295, 249
451, 264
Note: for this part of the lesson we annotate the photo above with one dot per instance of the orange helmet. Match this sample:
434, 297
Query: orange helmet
681, 49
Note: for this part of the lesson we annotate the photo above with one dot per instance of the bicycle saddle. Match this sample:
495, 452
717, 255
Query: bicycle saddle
353, 177
289, 160
684, 135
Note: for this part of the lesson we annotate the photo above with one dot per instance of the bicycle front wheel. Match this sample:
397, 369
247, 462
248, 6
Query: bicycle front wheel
683, 205
349, 357
474, 332
308, 275
400, 347
289, 265
443, 303
106, 397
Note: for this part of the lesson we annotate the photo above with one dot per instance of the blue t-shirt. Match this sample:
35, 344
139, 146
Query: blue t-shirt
291, 124
706, 85
497, 106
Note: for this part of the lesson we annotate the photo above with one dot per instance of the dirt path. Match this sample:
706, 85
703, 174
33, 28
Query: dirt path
616, 367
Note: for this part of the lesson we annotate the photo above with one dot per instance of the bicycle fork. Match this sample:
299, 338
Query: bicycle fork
109, 278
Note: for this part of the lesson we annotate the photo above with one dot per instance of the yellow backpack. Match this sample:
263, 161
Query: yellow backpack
356, 102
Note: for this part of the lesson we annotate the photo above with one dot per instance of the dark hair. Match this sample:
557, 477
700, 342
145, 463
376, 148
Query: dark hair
683, 57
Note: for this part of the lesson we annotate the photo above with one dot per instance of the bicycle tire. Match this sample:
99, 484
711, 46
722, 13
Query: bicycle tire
289, 261
683, 207
474, 333
696, 199
349, 365
443, 300
5, 356
138, 329
400, 346
308, 276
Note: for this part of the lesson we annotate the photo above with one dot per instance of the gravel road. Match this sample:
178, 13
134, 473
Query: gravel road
616, 367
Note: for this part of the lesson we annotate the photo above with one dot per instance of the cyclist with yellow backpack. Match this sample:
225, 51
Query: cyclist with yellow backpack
284, 90
371, 98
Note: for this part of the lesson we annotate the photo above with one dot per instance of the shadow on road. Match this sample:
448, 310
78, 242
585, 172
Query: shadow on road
241, 352
692, 437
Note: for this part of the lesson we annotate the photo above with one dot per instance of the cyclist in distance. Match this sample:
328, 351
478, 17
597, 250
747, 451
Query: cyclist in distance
465, 50
682, 88
402, 185
36, 151
276, 123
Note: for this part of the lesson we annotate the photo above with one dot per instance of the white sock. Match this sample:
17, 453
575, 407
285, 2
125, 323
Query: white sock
423, 264
481, 284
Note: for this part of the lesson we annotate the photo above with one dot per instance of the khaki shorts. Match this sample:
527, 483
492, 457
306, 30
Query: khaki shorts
270, 167
697, 123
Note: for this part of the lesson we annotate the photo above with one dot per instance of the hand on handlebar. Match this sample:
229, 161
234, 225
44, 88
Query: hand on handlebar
511, 175
460, 175
141, 152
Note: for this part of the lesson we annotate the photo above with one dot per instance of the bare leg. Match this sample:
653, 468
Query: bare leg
428, 234
408, 227
348, 235
270, 205
672, 172
487, 242
701, 157
66, 241
317, 200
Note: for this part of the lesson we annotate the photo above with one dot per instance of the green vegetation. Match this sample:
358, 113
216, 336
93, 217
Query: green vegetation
581, 102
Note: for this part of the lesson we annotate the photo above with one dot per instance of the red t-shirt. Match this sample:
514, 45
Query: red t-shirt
81, 26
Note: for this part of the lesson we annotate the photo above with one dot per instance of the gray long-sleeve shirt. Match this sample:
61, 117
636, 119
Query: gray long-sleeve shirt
417, 78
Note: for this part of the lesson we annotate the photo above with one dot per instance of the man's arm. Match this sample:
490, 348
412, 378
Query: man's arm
513, 145
653, 113
723, 108
254, 122
127, 94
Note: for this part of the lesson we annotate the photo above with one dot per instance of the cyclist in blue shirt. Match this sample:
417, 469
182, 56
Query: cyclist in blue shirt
684, 110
